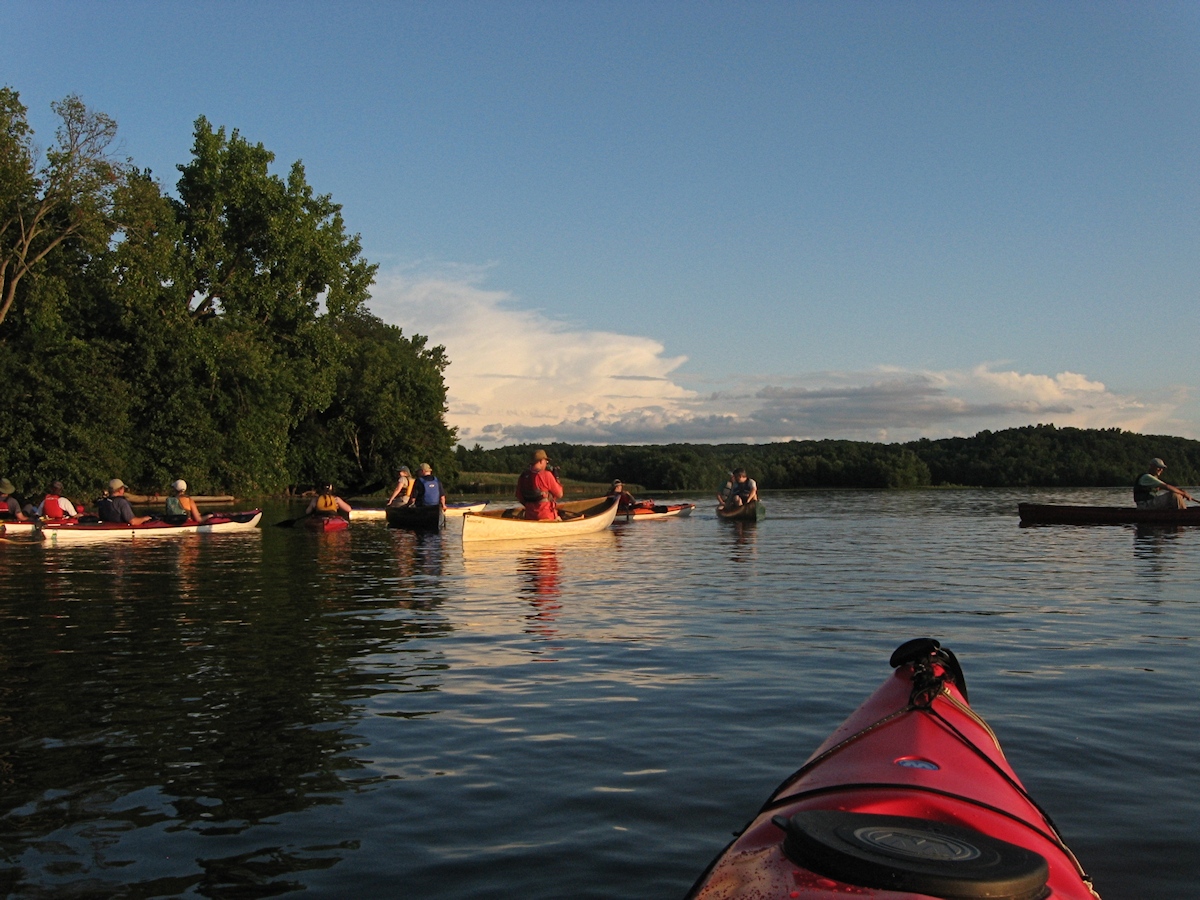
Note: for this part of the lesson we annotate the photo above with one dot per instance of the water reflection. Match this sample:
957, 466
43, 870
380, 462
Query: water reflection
539, 575
196, 688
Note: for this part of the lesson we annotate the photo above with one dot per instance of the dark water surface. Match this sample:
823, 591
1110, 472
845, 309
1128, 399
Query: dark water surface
374, 713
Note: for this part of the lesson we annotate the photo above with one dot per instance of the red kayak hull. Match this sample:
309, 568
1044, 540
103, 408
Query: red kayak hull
326, 523
939, 765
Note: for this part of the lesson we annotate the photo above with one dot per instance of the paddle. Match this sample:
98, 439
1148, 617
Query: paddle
288, 523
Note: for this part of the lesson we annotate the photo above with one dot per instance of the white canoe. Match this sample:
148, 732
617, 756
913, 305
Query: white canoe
504, 524
59, 533
368, 514
461, 509
658, 511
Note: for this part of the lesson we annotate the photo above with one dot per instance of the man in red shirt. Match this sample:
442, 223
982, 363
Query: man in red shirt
538, 488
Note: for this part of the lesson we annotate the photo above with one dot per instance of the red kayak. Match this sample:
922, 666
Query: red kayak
325, 523
910, 798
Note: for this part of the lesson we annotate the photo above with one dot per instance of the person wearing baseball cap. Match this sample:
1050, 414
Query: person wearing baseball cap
538, 488
404, 488
10, 506
115, 508
1151, 492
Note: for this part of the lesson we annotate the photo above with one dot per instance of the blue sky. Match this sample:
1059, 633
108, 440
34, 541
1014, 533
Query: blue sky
635, 222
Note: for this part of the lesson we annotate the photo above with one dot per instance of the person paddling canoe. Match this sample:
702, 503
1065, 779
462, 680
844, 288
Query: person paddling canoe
745, 489
538, 488
404, 488
1151, 492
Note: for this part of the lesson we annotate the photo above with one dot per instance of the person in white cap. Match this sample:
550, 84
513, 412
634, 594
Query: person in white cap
179, 504
1151, 492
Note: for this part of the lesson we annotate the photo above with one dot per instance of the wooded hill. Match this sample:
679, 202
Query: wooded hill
1032, 456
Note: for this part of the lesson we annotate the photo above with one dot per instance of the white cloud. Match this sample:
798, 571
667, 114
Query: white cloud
518, 375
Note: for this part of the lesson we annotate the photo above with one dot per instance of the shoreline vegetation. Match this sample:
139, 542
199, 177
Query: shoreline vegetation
1029, 456
221, 334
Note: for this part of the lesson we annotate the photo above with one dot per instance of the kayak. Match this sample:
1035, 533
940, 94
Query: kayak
911, 797
1050, 514
88, 529
325, 524
747, 512
416, 518
466, 506
367, 514
656, 511
507, 525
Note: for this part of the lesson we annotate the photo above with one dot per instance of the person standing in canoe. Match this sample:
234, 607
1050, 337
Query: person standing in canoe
428, 491
745, 490
538, 488
115, 508
327, 503
404, 488
182, 507
55, 506
1151, 492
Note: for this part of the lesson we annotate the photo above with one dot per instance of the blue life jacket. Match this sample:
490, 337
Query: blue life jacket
431, 490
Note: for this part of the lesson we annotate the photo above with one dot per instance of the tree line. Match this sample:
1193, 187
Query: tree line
221, 335
1031, 456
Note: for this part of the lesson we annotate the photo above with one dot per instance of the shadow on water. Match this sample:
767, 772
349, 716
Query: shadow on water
200, 688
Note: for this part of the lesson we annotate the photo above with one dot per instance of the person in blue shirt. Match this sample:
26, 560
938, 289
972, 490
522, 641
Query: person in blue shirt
115, 508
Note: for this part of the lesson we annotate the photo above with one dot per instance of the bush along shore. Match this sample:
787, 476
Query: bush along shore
1031, 456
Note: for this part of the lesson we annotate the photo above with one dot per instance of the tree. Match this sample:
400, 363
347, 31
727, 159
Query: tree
262, 255
69, 198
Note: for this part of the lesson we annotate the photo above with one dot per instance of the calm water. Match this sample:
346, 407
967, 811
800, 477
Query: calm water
374, 713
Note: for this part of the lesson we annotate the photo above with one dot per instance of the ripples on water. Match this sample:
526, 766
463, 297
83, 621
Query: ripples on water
375, 712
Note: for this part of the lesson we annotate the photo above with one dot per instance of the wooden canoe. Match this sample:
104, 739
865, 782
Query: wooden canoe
658, 511
1051, 514
461, 509
416, 518
747, 512
596, 514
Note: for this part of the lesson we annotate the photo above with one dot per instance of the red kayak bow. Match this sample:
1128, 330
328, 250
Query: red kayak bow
910, 798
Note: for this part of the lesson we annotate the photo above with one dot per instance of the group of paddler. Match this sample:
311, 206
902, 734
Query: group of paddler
111, 506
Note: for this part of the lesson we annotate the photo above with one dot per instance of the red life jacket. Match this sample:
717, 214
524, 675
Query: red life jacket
51, 508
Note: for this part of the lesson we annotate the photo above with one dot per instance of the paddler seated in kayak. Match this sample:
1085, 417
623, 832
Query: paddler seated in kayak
10, 506
1151, 492
538, 487
402, 495
626, 500
181, 507
55, 506
745, 490
115, 508
327, 503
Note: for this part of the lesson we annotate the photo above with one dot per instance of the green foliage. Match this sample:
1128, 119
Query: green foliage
222, 337
1033, 456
